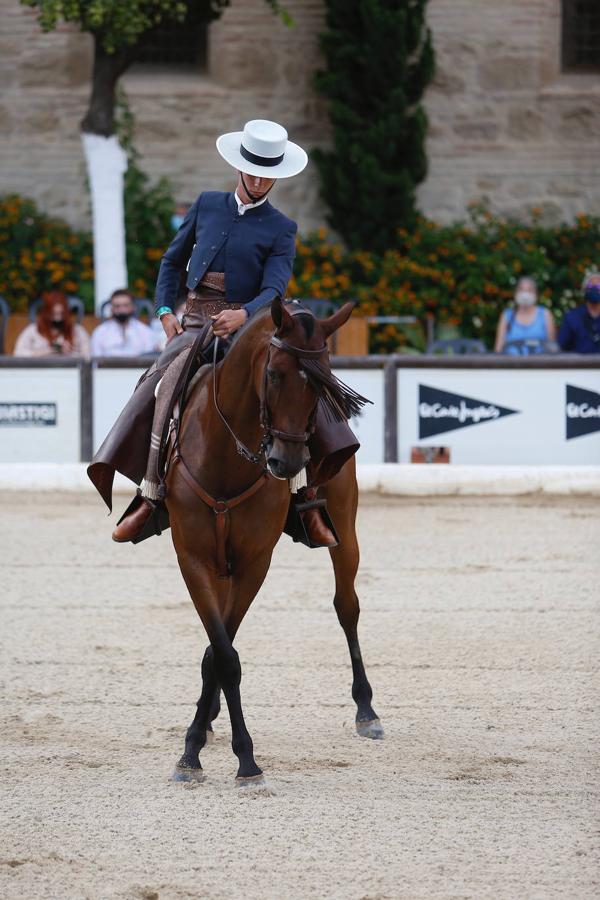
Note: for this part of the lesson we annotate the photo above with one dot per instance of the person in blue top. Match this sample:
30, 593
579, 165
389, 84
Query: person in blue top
580, 329
235, 252
526, 321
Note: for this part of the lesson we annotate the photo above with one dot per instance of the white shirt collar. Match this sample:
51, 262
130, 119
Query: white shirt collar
242, 207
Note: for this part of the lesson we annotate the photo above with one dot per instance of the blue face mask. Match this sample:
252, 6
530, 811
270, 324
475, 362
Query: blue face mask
176, 221
592, 293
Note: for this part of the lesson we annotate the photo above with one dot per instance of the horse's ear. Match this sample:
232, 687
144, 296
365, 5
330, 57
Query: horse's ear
281, 317
339, 318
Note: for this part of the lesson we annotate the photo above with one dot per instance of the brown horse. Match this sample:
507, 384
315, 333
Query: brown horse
266, 383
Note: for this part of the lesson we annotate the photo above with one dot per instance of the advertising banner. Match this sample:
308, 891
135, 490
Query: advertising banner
113, 387
111, 390
369, 426
40, 415
501, 416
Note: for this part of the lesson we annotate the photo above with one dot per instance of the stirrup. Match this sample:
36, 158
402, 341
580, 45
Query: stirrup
295, 527
155, 524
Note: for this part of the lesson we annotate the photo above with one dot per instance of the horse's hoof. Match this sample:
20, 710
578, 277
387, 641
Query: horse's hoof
185, 773
251, 781
370, 729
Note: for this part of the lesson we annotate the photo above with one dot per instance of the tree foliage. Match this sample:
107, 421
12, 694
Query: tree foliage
379, 59
119, 24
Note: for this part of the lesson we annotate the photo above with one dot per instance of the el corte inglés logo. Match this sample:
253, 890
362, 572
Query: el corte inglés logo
582, 412
441, 411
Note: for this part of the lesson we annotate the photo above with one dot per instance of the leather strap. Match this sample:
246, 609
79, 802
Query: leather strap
297, 351
221, 509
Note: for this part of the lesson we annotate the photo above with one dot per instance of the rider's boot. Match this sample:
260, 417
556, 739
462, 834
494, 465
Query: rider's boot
318, 532
132, 522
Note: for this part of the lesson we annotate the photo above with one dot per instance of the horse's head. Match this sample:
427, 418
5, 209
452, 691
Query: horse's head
297, 374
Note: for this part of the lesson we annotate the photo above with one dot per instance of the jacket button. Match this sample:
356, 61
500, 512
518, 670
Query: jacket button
214, 247
203, 262
223, 232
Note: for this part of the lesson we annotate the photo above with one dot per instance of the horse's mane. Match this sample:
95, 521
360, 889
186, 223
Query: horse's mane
338, 400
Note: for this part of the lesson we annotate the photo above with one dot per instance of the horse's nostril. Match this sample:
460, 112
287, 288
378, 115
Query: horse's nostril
276, 465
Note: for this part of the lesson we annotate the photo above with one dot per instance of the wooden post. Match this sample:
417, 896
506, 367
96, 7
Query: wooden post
353, 338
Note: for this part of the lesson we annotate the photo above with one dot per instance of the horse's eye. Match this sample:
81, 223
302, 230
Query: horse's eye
273, 376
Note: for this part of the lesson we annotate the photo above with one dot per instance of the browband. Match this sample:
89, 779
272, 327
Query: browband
297, 351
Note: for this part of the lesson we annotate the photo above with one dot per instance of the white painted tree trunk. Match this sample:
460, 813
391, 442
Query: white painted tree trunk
106, 165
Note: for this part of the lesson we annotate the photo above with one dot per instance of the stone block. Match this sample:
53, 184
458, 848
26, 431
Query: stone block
524, 124
507, 73
579, 123
476, 129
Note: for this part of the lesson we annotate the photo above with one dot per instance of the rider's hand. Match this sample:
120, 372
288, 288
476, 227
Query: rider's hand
171, 325
229, 321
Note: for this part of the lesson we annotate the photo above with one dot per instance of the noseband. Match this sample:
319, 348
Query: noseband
269, 432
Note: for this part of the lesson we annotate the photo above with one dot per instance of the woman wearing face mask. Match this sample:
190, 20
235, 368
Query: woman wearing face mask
526, 321
54, 333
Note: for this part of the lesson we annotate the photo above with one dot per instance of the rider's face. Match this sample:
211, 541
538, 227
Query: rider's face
255, 184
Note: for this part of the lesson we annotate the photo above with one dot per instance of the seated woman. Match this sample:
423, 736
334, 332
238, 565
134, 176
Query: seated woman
54, 333
526, 321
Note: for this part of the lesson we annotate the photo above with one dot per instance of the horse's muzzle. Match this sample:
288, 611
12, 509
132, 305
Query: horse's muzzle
285, 460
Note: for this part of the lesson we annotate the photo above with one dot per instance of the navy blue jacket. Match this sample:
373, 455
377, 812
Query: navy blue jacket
580, 332
257, 249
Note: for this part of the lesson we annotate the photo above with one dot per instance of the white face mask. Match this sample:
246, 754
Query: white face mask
525, 298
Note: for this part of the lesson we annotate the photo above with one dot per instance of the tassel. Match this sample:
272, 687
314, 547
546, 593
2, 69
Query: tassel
298, 481
338, 400
149, 489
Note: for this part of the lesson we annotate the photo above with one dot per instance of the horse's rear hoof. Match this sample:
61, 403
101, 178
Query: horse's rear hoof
251, 781
372, 729
185, 773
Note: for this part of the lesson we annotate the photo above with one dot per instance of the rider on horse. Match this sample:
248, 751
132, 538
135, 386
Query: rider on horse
238, 253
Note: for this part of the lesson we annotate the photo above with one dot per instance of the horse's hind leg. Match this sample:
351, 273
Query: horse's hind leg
342, 501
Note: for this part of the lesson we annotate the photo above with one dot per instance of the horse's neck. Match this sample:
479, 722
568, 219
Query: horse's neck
212, 450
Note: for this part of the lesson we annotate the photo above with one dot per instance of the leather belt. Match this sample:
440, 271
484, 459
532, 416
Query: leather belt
214, 280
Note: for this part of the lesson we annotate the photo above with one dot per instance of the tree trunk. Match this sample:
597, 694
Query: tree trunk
106, 165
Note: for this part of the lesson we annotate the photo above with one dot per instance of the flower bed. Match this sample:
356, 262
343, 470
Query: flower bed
462, 275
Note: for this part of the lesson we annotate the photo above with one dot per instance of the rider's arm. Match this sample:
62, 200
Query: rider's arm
277, 269
175, 260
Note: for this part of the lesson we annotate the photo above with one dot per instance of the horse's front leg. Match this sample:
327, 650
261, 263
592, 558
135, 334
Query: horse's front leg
189, 768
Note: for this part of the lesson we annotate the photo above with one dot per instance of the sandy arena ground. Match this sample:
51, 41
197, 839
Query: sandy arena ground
479, 635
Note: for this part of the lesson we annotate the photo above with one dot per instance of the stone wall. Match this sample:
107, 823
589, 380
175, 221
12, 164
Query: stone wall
258, 67
505, 124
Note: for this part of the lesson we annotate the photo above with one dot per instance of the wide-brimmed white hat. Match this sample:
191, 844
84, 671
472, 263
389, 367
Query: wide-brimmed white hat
263, 149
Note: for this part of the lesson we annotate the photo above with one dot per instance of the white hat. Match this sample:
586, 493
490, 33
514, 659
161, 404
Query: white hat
262, 149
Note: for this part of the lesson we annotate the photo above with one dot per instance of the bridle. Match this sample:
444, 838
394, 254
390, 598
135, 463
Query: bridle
269, 431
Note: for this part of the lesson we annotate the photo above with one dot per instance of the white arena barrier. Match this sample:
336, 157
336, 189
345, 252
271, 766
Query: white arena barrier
387, 479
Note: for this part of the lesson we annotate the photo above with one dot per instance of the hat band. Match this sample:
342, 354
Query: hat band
260, 160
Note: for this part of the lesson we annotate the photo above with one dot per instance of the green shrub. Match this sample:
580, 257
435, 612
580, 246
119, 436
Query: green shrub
463, 275
39, 253
148, 210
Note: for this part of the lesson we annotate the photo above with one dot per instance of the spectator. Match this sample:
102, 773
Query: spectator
526, 321
54, 333
580, 329
123, 334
